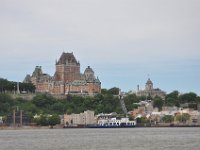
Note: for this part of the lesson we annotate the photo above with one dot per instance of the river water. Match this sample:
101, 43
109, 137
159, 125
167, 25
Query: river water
101, 139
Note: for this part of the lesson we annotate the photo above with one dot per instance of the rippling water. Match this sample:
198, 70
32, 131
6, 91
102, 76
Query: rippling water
101, 139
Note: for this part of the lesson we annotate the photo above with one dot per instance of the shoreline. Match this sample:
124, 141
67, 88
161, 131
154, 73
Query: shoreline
61, 127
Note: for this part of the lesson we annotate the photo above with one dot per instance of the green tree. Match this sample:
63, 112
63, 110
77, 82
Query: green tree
6, 103
142, 98
174, 95
158, 102
69, 110
104, 91
168, 118
129, 100
53, 120
113, 91
172, 99
43, 100
42, 120
183, 117
28, 87
29, 107
142, 121
198, 100
6, 85
188, 98
58, 108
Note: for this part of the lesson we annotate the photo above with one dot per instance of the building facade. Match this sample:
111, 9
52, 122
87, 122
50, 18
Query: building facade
150, 91
85, 118
67, 78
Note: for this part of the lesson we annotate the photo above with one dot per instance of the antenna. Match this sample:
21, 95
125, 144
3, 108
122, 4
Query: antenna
148, 75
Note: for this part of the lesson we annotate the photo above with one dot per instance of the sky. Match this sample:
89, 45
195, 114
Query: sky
124, 41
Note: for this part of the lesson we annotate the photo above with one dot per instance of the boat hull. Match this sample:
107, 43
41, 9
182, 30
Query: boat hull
110, 126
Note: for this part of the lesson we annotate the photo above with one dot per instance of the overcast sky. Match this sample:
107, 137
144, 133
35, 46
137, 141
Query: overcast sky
124, 41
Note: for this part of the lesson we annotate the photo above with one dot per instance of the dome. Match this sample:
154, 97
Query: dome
149, 85
88, 70
149, 81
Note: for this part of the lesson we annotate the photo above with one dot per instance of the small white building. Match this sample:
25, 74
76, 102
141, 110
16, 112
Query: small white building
116, 122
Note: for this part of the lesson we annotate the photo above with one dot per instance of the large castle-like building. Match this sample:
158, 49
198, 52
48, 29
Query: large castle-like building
67, 78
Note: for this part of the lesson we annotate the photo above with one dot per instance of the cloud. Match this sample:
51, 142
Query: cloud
99, 32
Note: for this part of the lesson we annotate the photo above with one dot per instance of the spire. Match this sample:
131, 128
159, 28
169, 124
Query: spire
148, 76
138, 88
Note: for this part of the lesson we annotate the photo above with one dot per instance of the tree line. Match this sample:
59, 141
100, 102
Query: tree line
106, 102
11, 86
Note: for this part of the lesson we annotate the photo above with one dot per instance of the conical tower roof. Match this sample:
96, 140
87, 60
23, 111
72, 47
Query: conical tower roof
67, 58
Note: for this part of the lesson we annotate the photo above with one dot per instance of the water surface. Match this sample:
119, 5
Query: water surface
101, 139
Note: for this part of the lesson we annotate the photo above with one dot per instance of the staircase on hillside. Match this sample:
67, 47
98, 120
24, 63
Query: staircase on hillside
122, 103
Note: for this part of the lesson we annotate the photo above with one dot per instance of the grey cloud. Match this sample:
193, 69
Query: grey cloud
100, 31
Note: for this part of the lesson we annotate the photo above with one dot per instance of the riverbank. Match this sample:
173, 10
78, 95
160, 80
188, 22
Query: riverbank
29, 127
167, 126
61, 126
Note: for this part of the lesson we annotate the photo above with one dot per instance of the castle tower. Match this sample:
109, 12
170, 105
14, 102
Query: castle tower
67, 68
89, 74
37, 73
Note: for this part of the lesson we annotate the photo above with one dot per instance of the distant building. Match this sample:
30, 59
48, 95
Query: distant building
1, 120
150, 91
67, 78
85, 118
198, 107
